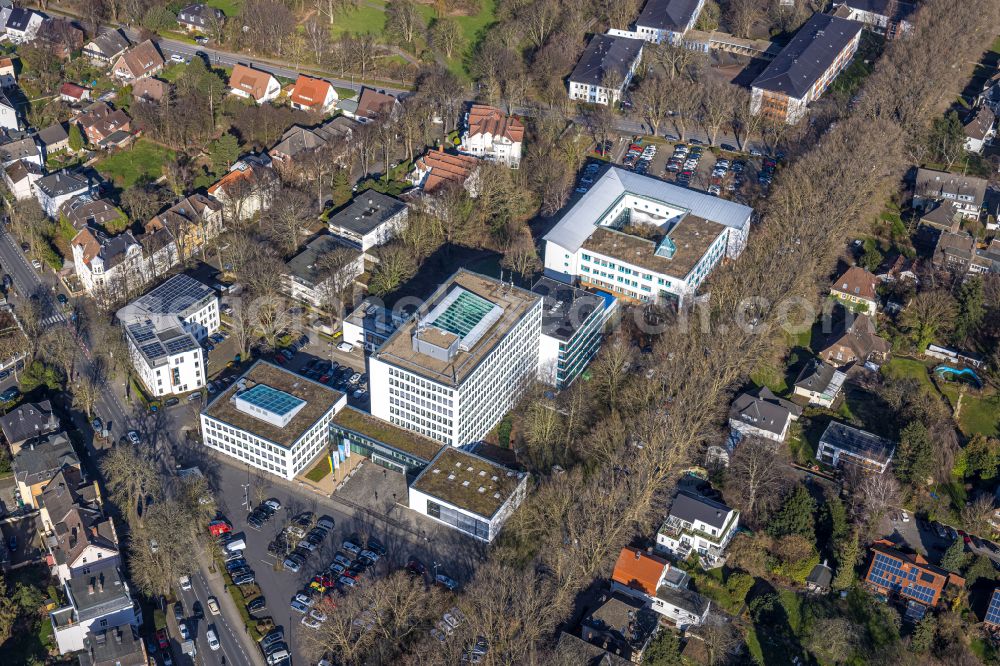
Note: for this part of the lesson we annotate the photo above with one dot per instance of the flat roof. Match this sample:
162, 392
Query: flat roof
366, 212
514, 303
858, 442
692, 237
319, 399
304, 264
180, 295
579, 222
391, 435
468, 481
565, 308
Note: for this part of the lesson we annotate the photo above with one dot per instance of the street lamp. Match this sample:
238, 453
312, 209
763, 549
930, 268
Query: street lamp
246, 495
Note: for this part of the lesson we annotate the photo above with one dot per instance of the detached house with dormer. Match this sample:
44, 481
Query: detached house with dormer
699, 524
965, 193
139, 62
253, 84
493, 135
856, 290
763, 414
106, 264
96, 601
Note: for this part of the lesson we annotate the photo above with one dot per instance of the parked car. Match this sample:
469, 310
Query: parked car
183, 630
293, 563
351, 547
273, 638
345, 347
162, 639
245, 579
299, 607
445, 582
213, 640
213, 605
326, 522
133, 436
236, 564
257, 605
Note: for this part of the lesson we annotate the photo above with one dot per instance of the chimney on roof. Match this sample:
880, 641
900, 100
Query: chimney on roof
118, 635
638, 554
100, 583
90, 586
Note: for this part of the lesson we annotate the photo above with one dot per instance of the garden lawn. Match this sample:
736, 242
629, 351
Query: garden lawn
317, 473
143, 160
229, 7
980, 414
899, 368
363, 19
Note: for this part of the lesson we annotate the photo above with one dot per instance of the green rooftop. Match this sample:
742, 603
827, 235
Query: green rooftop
386, 433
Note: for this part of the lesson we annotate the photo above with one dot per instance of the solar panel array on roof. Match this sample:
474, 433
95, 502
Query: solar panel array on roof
175, 295
153, 350
993, 612
181, 344
142, 332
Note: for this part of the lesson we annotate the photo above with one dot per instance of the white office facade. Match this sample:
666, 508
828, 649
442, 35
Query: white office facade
463, 411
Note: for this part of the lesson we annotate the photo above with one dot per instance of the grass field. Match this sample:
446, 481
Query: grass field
363, 19
899, 368
980, 413
320, 471
229, 7
143, 160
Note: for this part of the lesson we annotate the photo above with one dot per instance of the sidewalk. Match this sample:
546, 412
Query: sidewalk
216, 584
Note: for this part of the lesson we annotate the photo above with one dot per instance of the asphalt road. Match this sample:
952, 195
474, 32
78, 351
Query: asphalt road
230, 651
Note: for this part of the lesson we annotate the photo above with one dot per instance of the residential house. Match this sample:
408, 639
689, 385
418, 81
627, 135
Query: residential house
95, 602
200, 17
980, 128
85, 211
150, 90
820, 383
159, 252
333, 136
67, 490
20, 177
61, 36
100, 121
55, 189
8, 113
841, 443
372, 104
697, 524
107, 46
247, 189
898, 269
622, 625
819, 579
38, 461
253, 84
908, 576
762, 415
54, 138
854, 340
108, 266
83, 541
604, 71
643, 576
72, 93
965, 193
311, 94
369, 220
307, 279
988, 258
139, 62
492, 135
886, 17
24, 149
23, 24
667, 20
856, 290
192, 221
28, 421
941, 216
958, 253
8, 73
436, 169
805, 68
990, 94
114, 646
571, 649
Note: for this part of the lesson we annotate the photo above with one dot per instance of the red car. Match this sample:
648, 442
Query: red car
219, 527
162, 639
279, 359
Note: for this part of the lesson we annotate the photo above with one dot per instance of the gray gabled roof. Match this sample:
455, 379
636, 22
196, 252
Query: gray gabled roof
688, 600
29, 420
817, 375
673, 15
812, 51
689, 507
764, 410
606, 56
579, 222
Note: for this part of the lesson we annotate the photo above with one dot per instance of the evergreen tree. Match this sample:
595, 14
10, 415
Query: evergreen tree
955, 558
981, 567
223, 152
341, 187
982, 456
663, 650
795, 516
970, 309
914, 461
76, 142
923, 634
848, 552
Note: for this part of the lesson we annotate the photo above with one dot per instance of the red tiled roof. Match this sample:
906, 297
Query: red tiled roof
491, 120
251, 81
309, 91
69, 89
638, 570
857, 282
446, 167
372, 103
141, 59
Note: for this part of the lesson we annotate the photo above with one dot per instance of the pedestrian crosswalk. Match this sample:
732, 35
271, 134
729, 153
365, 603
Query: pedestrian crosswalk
52, 320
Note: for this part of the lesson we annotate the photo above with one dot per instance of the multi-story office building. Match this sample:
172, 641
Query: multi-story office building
323, 270
272, 419
805, 68
468, 492
370, 325
384, 444
572, 326
644, 240
461, 362
165, 329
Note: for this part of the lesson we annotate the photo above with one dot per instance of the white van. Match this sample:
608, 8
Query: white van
236, 544
277, 657
185, 582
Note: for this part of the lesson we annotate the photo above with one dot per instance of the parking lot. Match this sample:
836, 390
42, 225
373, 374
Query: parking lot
403, 535
22, 533
933, 539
